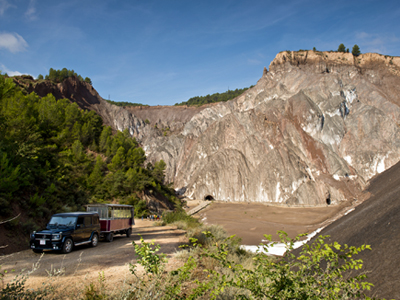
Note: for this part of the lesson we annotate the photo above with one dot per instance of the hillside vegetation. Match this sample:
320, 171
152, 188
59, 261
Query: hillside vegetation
56, 157
217, 97
60, 75
124, 103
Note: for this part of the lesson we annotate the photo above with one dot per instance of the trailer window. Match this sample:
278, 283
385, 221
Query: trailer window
111, 212
122, 213
101, 210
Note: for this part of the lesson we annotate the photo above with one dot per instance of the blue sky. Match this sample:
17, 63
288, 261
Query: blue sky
164, 52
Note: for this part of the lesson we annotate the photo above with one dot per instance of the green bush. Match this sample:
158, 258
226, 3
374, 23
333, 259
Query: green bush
319, 271
180, 216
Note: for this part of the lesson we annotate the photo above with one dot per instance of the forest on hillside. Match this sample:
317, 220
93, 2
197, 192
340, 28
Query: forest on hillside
59, 75
56, 157
217, 97
124, 103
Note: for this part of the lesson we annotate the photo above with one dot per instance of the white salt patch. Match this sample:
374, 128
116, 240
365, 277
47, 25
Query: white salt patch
348, 159
279, 249
381, 166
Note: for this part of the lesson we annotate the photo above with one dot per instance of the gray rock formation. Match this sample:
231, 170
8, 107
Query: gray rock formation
312, 131
315, 127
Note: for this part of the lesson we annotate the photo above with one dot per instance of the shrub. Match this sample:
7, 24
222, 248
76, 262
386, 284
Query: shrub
180, 215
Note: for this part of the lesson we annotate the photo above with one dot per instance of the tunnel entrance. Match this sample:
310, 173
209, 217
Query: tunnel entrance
209, 197
328, 200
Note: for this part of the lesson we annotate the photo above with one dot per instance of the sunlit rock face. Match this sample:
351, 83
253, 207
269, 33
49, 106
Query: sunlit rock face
312, 131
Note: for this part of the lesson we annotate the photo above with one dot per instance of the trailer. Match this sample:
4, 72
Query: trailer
114, 219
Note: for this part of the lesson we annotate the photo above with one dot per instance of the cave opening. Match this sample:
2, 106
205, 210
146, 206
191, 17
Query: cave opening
208, 197
328, 200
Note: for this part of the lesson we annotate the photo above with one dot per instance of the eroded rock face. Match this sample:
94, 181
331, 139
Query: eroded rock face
311, 132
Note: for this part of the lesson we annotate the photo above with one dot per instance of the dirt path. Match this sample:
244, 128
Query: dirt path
83, 265
75, 271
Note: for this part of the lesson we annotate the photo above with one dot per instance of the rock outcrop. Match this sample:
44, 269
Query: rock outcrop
312, 131
87, 97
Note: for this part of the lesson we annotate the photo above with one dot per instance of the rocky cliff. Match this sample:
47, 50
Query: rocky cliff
86, 97
311, 132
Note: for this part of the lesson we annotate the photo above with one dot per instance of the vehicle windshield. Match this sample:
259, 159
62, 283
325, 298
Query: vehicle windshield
61, 221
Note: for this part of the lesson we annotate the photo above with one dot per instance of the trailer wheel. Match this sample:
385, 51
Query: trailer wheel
109, 237
128, 232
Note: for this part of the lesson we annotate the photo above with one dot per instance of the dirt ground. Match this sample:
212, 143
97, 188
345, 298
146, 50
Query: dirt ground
82, 266
251, 221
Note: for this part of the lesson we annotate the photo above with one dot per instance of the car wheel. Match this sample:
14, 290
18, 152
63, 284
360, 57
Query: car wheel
95, 240
129, 232
37, 250
109, 237
67, 246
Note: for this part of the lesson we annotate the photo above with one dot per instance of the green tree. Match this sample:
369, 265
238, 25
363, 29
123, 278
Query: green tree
40, 77
135, 157
356, 50
158, 170
88, 80
105, 141
96, 176
118, 160
44, 157
78, 150
342, 48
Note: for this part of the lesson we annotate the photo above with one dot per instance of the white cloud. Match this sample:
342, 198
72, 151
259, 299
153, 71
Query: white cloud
4, 5
31, 11
375, 42
256, 62
13, 42
4, 69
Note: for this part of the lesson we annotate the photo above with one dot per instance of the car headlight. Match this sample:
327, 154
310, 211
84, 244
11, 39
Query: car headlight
56, 237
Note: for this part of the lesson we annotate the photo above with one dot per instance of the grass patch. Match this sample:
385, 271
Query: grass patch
181, 219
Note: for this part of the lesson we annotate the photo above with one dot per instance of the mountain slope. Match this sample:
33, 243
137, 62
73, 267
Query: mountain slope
375, 222
312, 131
83, 94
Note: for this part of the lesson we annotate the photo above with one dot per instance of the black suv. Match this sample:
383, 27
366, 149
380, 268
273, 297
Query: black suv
66, 230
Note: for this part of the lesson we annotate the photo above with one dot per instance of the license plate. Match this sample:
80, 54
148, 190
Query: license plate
42, 242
